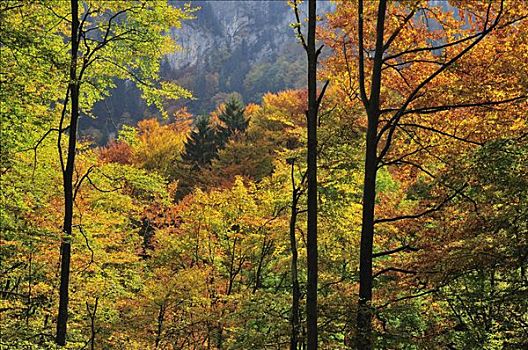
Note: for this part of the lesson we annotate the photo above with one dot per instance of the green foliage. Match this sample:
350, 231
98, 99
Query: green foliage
233, 120
182, 233
487, 299
206, 140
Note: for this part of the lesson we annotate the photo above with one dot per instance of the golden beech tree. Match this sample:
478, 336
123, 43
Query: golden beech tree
411, 61
227, 237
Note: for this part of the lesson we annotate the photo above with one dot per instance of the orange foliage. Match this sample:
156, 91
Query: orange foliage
116, 152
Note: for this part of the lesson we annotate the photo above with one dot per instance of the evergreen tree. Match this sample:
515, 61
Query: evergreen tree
201, 146
233, 119
205, 141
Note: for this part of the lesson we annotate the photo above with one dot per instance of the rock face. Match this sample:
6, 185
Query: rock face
263, 26
242, 47
231, 48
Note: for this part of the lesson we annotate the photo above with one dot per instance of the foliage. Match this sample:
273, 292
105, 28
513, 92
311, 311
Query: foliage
182, 225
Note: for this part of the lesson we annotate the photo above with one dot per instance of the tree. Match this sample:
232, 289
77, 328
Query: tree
207, 139
295, 317
314, 101
480, 273
406, 58
200, 147
232, 116
100, 41
226, 266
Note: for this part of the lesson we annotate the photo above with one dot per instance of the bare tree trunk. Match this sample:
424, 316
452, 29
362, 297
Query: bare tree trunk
314, 101
364, 316
372, 106
296, 291
68, 171
159, 330
266, 247
92, 315
311, 241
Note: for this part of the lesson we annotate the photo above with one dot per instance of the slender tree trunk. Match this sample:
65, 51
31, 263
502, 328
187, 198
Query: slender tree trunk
372, 105
311, 293
92, 315
30, 282
159, 330
364, 316
296, 291
68, 171
266, 247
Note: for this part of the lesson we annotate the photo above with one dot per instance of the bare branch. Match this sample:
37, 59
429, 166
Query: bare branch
349, 71
61, 123
402, 157
361, 48
87, 246
406, 298
435, 109
321, 94
396, 250
80, 181
34, 148
298, 25
9, 8
100, 189
393, 269
424, 213
398, 30
403, 125
318, 51
403, 63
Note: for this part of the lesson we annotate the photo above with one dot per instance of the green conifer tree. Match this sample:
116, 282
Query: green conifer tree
233, 119
201, 147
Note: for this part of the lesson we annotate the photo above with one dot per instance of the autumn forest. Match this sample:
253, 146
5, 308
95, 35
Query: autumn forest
362, 185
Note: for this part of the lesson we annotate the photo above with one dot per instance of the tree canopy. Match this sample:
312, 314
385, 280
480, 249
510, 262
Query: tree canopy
410, 147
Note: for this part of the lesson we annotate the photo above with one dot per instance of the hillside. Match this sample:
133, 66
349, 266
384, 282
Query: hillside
240, 48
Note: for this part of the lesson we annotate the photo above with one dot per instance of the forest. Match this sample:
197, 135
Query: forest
371, 193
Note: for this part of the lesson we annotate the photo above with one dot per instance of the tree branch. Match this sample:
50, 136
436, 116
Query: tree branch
424, 213
396, 250
361, 58
298, 25
80, 181
406, 298
393, 269
398, 30
403, 125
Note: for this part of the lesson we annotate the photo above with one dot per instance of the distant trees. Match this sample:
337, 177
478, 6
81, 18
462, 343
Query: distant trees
207, 139
233, 120
201, 147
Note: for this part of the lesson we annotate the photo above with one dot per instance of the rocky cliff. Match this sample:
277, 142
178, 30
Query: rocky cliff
242, 48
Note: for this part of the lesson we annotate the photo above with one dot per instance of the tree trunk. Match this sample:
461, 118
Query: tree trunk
296, 291
372, 105
364, 316
311, 293
92, 315
68, 171
159, 330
